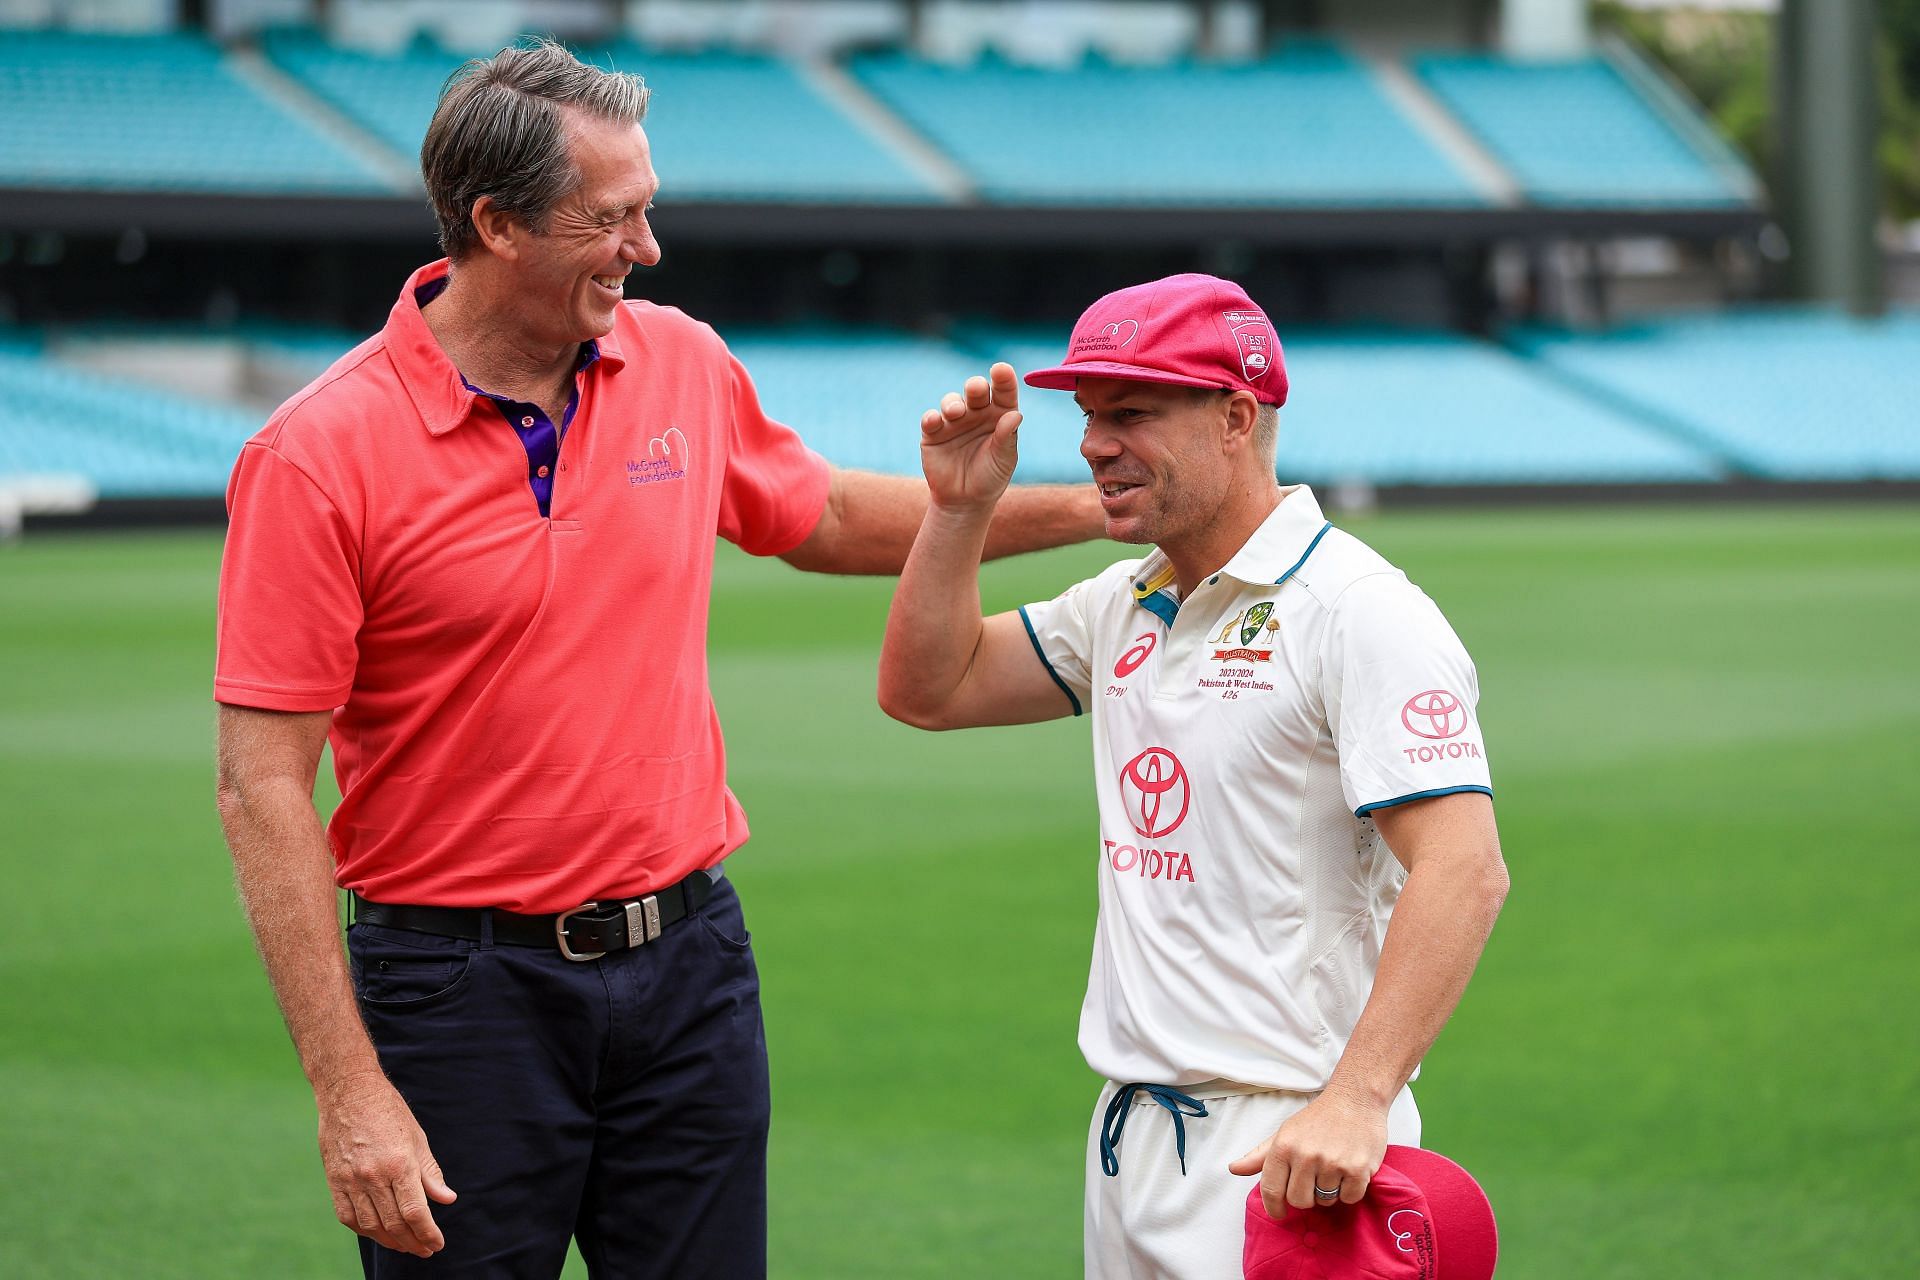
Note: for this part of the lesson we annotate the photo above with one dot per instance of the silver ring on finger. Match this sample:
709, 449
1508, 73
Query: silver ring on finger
1326, 1193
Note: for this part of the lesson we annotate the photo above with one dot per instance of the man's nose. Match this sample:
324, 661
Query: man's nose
642, 248
1095, 443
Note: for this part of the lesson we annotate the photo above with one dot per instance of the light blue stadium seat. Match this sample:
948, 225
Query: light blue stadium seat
1309, 126
131, 440
723, 126
1791, 394
855, 397
160, 112
1400, 409
1578, 132
1798, 395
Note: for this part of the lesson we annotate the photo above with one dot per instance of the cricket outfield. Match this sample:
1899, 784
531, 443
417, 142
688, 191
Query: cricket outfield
1692, 1048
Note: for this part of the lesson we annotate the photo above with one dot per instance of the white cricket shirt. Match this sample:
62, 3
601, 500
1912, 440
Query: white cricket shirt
1240, 738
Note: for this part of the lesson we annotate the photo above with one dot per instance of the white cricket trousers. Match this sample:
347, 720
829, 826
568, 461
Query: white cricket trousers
1150, 1223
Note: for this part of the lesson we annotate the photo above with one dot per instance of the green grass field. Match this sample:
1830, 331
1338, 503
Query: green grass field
1693, 1048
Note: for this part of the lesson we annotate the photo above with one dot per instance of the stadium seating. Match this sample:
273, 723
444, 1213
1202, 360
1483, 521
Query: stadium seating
160, 112
131, 440
856, 397
1790, 394
1310, 125
1391, 408
1794, 396
1578, 132
724, 126
1307, 126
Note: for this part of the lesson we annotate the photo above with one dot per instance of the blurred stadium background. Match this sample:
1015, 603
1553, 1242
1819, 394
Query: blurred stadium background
1601, 320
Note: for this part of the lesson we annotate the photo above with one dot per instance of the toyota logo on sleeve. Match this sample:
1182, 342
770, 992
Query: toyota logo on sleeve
1154, 790
1435, 714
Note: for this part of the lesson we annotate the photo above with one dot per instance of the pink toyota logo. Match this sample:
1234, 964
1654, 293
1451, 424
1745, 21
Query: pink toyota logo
1435, 713
1152, 785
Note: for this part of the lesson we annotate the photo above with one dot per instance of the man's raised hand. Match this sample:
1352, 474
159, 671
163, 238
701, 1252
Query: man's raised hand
968, 446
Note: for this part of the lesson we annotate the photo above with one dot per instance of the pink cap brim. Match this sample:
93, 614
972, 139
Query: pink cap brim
1067, 377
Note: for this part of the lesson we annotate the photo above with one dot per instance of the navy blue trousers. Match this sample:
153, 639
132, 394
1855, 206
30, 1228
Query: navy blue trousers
622, 1101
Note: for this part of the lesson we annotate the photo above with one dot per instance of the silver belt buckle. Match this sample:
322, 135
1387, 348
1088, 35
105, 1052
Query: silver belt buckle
560, 932
643, 921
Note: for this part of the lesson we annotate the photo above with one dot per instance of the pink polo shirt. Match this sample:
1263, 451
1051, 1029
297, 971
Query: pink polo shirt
521, 716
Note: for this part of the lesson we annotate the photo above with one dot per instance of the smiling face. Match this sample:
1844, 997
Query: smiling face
571, 274
1159, 455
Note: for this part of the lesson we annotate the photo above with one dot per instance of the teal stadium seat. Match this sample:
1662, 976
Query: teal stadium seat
724, 126
1579, 133
1308, 126
1392, 408
856, 397
1792, 394
153, 113
1786, 396
129, 439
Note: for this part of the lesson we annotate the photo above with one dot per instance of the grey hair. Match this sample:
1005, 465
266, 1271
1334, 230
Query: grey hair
1266, 418
499, 131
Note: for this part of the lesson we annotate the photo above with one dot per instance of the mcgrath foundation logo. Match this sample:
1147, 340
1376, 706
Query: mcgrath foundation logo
1108, 337
666, 459
1413, 1234
1155, 793
1434, 714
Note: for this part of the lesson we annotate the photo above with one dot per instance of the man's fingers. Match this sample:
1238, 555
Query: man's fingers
1253, 1161
366, 1221
1006, 385
953, 405
979, 394
1273, 1190
386, 1202
436, 1183
418, 1219
1300, 1180
1353, 1188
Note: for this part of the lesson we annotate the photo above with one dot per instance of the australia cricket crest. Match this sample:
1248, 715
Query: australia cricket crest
1251, 624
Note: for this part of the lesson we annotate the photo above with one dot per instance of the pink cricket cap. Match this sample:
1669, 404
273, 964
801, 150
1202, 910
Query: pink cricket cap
1423, 1218
1190, 330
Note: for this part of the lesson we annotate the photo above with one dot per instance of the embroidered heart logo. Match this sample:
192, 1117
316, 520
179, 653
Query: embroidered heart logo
1113, 331
663, 445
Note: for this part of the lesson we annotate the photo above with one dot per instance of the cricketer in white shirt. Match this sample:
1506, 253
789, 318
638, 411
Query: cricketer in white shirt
1298, 865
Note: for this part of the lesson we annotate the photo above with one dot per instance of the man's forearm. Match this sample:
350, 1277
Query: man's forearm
285, 873
934, 625
1440, 926
871, 521
1033, 517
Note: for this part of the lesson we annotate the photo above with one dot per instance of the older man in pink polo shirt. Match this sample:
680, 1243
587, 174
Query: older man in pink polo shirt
475, 555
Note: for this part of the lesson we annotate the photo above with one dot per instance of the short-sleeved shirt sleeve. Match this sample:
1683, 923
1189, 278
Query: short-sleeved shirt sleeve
1062, 635
290, 602
776, 487
1401, 695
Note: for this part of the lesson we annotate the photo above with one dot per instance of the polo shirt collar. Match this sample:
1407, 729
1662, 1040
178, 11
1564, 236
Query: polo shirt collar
1283, 541
442, 397
1273, 554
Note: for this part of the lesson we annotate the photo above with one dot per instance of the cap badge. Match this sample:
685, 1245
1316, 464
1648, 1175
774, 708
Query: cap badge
1255, 342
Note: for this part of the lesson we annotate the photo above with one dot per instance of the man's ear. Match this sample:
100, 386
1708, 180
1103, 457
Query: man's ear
1242, 412
500, 233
